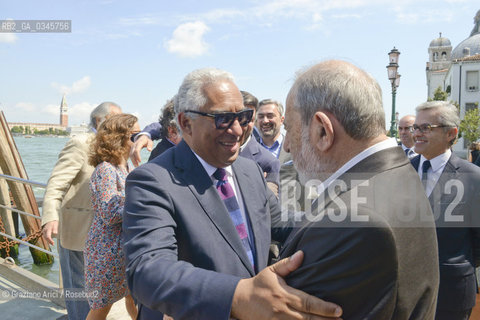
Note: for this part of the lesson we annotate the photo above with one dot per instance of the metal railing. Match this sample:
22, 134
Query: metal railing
32, 183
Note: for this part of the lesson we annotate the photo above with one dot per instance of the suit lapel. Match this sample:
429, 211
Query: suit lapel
200, 184
415, 162
365, 170
252, 146
245, 181
438, 197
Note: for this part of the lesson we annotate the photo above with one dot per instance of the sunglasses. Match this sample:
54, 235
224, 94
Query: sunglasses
225, 120
427, 127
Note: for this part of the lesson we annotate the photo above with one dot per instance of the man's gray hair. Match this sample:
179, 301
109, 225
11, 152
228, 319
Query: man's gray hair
191, 95
349, 93
277, 104
100, 112
447, 113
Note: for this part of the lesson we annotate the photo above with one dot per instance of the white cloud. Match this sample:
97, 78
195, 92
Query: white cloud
8, 38
80, 111
217, 15
77, 113
25, 106
414, 17
78, 86
139, 21
268, 13
123, 35
187, 40
51, 109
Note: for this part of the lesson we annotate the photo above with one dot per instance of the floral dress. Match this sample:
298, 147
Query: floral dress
105, 277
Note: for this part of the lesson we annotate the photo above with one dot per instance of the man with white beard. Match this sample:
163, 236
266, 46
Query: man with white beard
368, 247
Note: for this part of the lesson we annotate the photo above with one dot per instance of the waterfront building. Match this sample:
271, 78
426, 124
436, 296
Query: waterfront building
76, 130
29, 128
456, 72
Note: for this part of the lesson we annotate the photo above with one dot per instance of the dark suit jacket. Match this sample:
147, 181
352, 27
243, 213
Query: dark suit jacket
383, 268
458, 243
269, 164
153, 129
160, 148
184, 256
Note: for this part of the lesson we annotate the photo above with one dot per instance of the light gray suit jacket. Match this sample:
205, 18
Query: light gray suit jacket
184, 256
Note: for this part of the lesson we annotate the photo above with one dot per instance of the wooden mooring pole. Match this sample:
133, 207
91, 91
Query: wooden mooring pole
11, 164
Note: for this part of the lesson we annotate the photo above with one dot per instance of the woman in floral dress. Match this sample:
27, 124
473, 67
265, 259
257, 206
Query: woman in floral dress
105, 277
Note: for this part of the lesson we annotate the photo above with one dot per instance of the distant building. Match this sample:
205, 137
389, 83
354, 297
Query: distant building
63, 113
457, 72
439, 52
63, 125
76, 130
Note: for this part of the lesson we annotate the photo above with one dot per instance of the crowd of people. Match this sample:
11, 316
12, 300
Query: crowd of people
247, 210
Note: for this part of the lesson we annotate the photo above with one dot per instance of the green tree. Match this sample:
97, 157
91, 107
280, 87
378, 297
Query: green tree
16, 129
470, 126
440, 95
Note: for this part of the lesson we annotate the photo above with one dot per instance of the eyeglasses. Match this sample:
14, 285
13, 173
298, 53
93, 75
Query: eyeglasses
133, 136
427, 127
225, 120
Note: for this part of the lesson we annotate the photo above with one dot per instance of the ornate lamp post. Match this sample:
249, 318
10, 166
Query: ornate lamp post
394, 78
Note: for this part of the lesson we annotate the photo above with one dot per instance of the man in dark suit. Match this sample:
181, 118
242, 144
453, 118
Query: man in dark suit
197, 220
252, 149
368, 247
453, 188
406, 135
169, 132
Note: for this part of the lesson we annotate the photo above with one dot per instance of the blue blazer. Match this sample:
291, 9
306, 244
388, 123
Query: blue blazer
160, 148
457, 193
269, 164
184, 257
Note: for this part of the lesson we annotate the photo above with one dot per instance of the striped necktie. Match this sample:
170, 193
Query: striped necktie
228, 196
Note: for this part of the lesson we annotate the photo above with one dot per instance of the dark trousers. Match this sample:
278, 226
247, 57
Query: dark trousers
453, 315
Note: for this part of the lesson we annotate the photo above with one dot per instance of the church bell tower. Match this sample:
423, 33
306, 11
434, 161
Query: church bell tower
63, 113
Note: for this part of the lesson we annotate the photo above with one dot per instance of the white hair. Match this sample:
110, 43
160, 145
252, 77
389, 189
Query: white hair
349, 93
191, 95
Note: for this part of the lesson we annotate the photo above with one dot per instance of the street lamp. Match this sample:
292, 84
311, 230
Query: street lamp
394, 78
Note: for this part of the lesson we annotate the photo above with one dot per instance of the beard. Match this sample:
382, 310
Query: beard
269, 130
306, 162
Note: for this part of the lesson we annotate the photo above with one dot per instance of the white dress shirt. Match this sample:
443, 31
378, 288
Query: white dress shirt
433, 174
411, 152
385, 144
233, 182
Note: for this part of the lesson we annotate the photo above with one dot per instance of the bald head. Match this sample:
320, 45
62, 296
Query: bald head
334, 112
349, 93
404, 126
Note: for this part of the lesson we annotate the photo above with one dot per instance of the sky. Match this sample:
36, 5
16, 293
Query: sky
137, 53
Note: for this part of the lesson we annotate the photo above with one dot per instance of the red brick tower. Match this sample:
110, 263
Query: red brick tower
63, 113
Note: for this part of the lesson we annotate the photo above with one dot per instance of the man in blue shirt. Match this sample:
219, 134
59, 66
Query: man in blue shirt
269, 123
